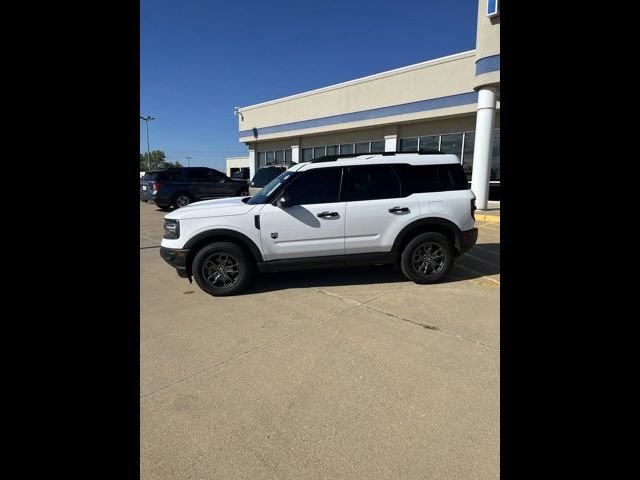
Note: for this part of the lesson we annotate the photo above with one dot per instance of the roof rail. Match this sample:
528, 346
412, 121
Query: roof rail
333, 158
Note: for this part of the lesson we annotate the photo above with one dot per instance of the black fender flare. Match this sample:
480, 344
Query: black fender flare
423, 222
225, 232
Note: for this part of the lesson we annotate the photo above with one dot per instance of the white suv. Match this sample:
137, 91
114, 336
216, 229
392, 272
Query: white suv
411, 209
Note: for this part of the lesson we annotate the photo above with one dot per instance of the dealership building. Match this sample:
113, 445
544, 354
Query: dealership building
450, 104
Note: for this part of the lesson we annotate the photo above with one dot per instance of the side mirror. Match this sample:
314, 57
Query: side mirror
283, 201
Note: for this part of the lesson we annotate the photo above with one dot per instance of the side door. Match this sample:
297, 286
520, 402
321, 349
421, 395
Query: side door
215, 184
197, 183
312, 222
377, 208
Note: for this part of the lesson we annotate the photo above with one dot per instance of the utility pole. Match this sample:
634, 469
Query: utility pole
147, 119
188, 161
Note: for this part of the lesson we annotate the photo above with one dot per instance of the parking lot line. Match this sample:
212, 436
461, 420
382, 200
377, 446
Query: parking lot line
479, 274
483, 260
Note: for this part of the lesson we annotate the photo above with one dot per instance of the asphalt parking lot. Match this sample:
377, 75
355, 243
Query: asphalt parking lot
354, 374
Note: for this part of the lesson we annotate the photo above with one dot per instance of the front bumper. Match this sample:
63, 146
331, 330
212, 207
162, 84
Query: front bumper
177, 258
467, 239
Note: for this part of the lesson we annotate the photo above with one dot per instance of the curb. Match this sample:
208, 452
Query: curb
487, 218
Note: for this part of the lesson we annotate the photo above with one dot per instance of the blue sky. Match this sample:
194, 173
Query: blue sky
199, 59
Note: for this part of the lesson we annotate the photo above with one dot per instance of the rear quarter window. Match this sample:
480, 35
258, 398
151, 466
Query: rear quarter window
169, 176
432, 178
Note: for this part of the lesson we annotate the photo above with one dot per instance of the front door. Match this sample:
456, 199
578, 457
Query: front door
312, 225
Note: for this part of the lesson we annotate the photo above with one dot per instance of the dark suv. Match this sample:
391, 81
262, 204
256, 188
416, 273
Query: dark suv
178, 187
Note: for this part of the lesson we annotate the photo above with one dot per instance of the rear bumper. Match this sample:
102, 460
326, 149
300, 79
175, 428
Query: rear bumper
465, 240
177, 258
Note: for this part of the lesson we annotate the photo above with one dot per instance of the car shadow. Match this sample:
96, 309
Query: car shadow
482, 260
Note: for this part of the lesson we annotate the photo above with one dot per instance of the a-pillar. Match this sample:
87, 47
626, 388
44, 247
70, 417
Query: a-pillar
482, 149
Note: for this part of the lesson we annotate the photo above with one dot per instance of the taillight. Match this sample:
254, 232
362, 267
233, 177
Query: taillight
156, 186
473, 209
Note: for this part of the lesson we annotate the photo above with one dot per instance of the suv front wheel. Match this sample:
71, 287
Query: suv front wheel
427, 258
222, 269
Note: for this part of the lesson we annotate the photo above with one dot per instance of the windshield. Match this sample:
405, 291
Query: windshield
263, 196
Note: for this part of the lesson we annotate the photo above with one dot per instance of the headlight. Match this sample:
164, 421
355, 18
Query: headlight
171, 229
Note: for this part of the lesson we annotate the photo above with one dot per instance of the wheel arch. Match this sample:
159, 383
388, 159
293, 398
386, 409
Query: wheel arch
432, 224
220, 235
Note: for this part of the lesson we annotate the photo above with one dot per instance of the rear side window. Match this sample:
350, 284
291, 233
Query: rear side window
432, 178
150, 177
169, 175
372, 182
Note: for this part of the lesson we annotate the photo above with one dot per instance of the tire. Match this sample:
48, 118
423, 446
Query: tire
430, 251
227, 255
182, 199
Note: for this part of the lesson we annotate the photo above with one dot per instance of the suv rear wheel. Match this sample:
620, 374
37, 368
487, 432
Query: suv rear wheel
182, 200
222, 269
427, 258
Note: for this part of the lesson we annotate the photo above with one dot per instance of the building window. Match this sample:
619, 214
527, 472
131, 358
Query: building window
377, 146
495, 157
274, 157
362, 147
307, 154
318, 152
467, 153
409, 144
451, 144
430, 143
346, 149
332, 149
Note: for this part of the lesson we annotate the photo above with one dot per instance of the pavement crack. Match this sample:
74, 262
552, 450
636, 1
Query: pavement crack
222, 362
393, 315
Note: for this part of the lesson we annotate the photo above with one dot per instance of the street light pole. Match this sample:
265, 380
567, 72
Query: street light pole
188, 161
146, 121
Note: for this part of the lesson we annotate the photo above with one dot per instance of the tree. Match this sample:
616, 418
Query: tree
158, 161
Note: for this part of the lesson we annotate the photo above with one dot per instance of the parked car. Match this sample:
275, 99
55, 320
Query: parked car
178, 187
243, 174
263, 176
415, 210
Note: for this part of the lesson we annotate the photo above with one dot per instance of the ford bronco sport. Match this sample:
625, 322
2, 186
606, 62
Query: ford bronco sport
411, 209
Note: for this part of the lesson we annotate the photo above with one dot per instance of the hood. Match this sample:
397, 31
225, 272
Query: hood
220, 207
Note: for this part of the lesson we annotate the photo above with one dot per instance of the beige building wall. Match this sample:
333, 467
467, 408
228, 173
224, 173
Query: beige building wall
442, 79
487, 45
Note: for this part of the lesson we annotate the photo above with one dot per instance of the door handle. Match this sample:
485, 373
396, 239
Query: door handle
399, 210
328, 214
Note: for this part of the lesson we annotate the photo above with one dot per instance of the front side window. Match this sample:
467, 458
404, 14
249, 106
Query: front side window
321, 185
372, 182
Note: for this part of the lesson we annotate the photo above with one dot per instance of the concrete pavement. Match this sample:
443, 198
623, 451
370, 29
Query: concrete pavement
352, 374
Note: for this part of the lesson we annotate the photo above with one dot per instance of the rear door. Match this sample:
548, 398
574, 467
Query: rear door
313, 226
377, 208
